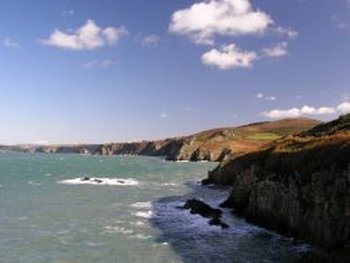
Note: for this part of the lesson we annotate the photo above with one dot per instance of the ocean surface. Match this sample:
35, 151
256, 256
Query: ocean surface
127, 210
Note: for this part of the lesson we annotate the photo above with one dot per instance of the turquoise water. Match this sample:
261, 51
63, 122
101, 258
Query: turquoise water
134, 218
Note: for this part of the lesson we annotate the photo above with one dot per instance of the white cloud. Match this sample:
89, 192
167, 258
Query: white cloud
275, 114
88, 37
9, 43
279, 50
102, 64
307, 110
150, 40
261, 96
228, 57
344, 107
164, 115
272, 98
205, 20
289, 32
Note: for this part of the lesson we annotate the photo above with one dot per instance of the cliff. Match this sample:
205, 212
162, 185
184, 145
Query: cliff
211, 145
299, 185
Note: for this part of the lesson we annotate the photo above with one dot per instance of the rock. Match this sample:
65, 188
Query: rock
198, 207
85, 179
217, 222
98, 181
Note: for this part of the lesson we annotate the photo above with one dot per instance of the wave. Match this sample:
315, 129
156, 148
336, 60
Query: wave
148, 214
100, 181
117, 229
147, 204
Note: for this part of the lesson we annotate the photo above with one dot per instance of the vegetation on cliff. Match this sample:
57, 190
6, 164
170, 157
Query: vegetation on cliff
211, 145
299, 185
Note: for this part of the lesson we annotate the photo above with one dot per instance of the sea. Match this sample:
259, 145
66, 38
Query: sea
66, 208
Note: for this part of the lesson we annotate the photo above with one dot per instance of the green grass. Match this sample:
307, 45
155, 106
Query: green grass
267, 136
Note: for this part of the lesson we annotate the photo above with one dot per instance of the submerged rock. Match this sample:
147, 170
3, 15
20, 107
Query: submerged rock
198, 207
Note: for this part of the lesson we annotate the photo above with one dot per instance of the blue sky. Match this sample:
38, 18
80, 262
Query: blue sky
74, 71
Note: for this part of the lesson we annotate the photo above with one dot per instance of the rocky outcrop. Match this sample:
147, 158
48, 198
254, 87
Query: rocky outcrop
299, 186
198, 207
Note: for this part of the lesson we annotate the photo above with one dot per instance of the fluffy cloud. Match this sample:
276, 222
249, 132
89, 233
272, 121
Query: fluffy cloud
150, 41
102, 64
344, 107
307, 110
228, 57
279, 50
204, 20
88, 37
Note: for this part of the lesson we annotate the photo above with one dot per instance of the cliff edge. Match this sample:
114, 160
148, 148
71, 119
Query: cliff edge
299, 185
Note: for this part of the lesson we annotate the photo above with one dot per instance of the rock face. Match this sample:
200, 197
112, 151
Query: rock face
198, 207
299, 186
212, 145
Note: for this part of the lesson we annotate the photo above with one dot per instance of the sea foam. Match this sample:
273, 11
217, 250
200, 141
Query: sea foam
100, 181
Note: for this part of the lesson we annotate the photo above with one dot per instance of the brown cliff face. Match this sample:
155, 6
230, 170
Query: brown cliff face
299, 186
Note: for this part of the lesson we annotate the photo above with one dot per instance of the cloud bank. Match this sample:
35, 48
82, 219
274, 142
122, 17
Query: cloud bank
342, 108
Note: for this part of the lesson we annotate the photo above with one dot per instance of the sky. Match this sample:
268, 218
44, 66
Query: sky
76, 71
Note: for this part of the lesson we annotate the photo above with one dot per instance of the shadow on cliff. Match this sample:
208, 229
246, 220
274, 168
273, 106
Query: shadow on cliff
194, 240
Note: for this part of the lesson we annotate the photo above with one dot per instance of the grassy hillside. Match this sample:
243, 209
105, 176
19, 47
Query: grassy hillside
242, 139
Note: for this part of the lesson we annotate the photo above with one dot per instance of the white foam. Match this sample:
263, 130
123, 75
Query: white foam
147, 205
141, 236
100, 181
138, 224
147, 214
117, 229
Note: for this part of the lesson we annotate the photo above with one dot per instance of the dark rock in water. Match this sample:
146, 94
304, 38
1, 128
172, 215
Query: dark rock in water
121, 182
201, 208
207, 181
217, 222
98, 181
85, 179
